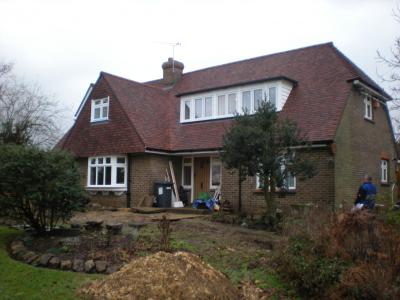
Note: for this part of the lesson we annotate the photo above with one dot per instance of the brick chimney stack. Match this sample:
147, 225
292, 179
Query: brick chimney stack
172, 71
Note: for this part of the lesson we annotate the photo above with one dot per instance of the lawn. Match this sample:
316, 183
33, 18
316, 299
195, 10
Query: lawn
22, 281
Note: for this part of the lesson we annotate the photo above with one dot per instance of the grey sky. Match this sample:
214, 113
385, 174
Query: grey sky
63, 45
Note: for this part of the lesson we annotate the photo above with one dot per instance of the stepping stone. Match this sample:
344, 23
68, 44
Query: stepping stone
112, 269
77, 265
54, 262
44, 259
89, 266
101, 266
114, 228
29, 257
93, 225
66, 265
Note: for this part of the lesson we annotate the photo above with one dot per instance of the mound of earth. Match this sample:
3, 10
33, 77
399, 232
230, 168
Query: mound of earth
179, 275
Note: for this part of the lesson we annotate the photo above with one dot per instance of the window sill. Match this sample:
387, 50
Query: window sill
369, 120
106, 188
99, 121
289, 192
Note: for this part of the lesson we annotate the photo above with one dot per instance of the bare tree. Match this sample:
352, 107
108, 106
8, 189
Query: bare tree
27, 115
392, 60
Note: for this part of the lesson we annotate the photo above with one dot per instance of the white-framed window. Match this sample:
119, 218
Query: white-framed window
188, 108
198, 108
107, 172
368, 114
384, 170
187, 172
100, 109
225, 103
215, 172
290, 182
246, 101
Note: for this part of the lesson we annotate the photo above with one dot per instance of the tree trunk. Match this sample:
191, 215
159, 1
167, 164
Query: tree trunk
240, 190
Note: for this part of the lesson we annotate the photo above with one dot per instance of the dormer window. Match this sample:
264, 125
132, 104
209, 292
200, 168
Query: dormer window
227, 102
368, 108
100, 108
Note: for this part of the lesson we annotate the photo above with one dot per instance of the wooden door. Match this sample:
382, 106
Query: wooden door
201, 175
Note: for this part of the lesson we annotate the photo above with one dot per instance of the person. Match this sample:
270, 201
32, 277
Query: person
366, 194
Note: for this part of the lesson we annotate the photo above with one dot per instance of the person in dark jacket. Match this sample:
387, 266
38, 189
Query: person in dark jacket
366, 194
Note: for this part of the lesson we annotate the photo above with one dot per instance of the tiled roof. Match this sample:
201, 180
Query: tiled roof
323, 75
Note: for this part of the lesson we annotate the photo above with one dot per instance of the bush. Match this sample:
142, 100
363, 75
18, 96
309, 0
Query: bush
345, 256
306, 268
37, 187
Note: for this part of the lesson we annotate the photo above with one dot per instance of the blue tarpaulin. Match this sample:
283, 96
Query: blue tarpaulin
209, 203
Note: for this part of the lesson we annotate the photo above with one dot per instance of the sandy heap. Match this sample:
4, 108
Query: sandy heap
162, 275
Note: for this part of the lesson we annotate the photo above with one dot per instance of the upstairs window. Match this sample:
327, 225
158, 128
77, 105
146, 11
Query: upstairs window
368, 108
107, 171
100, 108
384, 171
226, 103
187, 109
246, 101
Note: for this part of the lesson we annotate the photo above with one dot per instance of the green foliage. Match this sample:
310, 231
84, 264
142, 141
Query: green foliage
307, 270
37, 187
264, 144
20, 281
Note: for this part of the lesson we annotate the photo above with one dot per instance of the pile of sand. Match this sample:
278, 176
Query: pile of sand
163, 275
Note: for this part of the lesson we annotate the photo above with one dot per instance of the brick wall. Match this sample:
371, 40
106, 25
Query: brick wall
360, 145
145, 170
317, 190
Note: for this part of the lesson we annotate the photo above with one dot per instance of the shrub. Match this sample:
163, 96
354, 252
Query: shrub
37, 187
348, 256
306, 268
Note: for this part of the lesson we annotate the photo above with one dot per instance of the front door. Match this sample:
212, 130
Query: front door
201, 175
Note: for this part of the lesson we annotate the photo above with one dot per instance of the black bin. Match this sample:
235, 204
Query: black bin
163, 193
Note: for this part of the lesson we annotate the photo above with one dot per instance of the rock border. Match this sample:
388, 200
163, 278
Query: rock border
19, 252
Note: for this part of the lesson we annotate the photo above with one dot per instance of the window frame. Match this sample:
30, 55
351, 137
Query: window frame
289, 188
215, 160
114, 165
384, 171
185, 164
101, 107
213, 106
368, 104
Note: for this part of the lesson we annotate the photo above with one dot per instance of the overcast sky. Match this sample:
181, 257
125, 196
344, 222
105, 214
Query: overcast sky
63, 45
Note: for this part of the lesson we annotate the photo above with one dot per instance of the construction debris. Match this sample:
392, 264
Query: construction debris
162, 275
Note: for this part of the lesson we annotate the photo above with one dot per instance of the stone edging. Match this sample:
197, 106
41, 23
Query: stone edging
48, 260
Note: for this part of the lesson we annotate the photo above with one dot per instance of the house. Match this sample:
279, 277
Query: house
126, 132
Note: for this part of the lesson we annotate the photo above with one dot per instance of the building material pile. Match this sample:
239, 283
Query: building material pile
163, 275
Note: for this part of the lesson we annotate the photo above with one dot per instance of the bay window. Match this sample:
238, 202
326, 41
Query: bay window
107, 172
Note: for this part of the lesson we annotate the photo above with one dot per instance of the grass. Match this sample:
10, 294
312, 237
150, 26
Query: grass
22, 281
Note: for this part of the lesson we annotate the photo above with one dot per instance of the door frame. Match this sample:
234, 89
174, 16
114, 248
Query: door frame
192, 158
